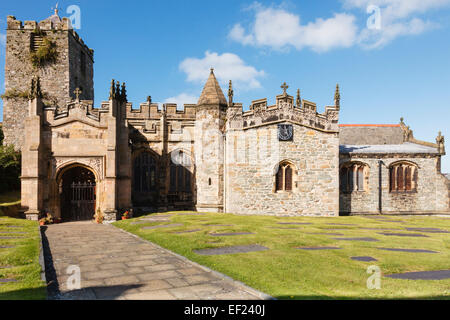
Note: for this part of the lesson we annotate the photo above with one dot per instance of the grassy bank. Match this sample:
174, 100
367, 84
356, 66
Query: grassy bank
289, 273
19, 260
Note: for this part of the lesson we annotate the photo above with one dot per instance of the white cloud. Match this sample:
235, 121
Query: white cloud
398, 18
279, 29
182, 98
276, 28
227, 66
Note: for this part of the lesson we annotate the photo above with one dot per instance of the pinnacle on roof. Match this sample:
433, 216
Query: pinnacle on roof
212, 93
55, 17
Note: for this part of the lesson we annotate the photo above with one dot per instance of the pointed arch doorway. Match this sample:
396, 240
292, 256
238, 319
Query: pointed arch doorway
78, 193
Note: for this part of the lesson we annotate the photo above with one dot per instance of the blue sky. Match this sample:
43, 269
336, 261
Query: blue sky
398, 68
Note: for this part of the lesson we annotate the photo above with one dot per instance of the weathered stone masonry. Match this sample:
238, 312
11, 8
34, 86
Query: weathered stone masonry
285, 159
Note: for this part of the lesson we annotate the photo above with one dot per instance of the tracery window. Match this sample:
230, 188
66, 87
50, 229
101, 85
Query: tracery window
284, 177
144, 172
403, 177
353, 177
180, 172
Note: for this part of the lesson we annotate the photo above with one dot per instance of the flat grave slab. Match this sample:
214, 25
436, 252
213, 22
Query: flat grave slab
428, 230
188, 231
317, 248
7, 247
11, 238
6, 267
283, 228
191, 214
230, 234
341, 224
8, 232
422, 275
415, 235
357, 239
149, 221
218, 225
164, 226
295, 223
231, 250
408, 250
382, 229
325, 233
364, 259
7, 280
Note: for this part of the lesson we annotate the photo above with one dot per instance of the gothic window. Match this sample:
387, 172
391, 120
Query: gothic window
144, 173
180, 173
284, 177
403, 177
353, 177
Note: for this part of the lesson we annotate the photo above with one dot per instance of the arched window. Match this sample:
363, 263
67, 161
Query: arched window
144, 172
180, 172
284, 177
403, 177
353, 177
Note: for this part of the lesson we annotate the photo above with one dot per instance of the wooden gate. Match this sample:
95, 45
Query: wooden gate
82, 201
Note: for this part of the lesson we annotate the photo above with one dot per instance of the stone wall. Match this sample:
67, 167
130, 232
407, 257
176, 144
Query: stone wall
431, 195
252, 160
57, 79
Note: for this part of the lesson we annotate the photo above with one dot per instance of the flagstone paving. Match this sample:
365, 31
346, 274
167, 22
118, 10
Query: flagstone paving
115, 265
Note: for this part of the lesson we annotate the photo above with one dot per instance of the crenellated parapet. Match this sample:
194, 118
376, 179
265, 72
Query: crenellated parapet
301, 112
49, 24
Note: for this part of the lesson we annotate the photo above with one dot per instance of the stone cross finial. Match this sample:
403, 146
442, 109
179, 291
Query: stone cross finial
230, 93
212, 70
77, 93
337, 97
299, 99
284, 86
149, 100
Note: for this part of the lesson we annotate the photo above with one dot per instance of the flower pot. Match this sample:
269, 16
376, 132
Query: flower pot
124, 218
42, 223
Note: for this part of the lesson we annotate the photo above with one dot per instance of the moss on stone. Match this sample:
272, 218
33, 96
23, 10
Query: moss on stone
47, 53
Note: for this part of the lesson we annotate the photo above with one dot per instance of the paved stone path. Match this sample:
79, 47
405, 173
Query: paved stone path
118, 265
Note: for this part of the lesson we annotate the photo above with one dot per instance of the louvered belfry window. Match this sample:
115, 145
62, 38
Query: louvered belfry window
284, 177
403, 177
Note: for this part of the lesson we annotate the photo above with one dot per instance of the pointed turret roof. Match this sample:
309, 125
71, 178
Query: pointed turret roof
212, 93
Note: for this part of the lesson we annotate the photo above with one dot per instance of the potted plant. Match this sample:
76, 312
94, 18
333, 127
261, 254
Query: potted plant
98, 216
126, 215
47, 220
42, 222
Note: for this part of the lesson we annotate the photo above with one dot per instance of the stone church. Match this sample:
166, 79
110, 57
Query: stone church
282, 159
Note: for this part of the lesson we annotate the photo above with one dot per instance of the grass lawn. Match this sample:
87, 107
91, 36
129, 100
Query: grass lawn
20, 262
288, 273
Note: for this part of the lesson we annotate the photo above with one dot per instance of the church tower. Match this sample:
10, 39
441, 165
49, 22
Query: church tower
52, 51
209, 147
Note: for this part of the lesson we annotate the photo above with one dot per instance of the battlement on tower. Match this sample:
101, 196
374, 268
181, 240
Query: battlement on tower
49, 24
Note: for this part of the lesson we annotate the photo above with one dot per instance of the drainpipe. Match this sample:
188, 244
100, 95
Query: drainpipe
380, 187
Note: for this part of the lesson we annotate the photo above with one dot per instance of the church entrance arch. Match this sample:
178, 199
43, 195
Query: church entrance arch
78, 193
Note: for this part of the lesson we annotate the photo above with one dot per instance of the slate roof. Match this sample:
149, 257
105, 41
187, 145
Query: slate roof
212, 93
370, 134
406, 147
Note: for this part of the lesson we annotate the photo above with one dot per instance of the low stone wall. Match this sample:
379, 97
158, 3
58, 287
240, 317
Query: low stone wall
12, 210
